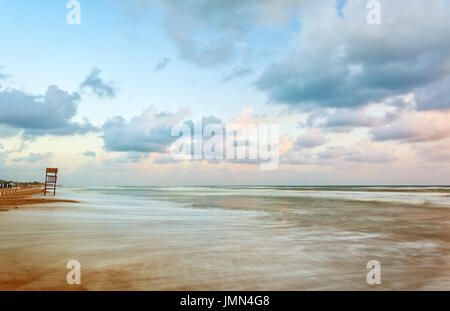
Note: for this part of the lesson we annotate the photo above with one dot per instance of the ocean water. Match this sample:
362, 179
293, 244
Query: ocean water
231, 238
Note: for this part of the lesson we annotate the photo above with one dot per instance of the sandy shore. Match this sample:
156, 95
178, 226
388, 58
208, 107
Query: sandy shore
16, 278
28, 197
212, 238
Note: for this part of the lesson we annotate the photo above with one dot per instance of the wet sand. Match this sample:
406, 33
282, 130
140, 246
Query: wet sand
30, 196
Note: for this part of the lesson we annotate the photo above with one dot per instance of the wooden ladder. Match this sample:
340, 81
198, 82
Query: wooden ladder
51, 176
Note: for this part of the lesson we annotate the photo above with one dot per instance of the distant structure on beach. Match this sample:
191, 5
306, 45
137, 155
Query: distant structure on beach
8, 187
51, 176
6, 184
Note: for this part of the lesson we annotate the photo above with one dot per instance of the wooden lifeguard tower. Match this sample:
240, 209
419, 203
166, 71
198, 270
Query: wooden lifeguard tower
51, 176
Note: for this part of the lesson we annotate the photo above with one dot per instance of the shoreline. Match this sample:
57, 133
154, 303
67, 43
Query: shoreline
28, 197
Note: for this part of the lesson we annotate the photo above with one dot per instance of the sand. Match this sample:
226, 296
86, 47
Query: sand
30, 196
14, 277
153, 239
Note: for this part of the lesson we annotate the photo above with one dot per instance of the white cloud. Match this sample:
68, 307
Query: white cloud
38, 115
149, 132
344, 62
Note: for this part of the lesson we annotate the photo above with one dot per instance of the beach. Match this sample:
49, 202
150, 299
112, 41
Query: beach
229, 238
30, 196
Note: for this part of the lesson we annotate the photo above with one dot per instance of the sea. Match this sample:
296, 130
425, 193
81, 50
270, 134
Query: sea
231, 238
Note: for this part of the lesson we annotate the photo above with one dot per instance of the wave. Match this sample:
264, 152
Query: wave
436, 196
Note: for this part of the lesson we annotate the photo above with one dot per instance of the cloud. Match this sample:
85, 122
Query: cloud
22, 110
340, 4
3, 157
126, 158
204, 122
210, 33
205, 33
435, 153
6, 131
3, 76
437, 156
310, 140
71, 128
39, 115
136, 136
34, 157
89, 154
165, 160
346, 118
97, 85
238, 72
162, 64
352, 64
414, 127
435, 96
207, 53
362, 152
149, 132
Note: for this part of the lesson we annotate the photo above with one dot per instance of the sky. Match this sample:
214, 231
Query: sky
355, 102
